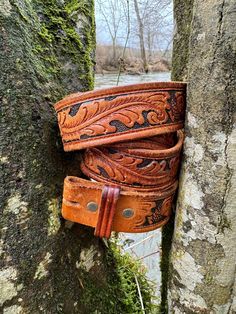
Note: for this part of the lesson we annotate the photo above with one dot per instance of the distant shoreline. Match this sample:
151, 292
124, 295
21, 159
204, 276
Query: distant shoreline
131, 63
130, 71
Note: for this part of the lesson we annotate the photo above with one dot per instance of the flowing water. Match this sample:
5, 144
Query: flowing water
109, 80
144, 246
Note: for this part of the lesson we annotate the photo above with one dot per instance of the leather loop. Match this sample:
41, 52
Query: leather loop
107, 208
133, 141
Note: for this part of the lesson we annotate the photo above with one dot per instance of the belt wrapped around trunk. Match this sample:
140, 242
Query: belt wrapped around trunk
132, 139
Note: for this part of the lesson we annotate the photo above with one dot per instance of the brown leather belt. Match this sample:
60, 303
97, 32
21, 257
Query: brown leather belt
133, 140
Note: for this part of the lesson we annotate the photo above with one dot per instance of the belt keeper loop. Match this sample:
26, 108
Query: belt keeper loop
110, 196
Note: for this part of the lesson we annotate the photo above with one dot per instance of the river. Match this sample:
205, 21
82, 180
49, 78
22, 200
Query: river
109, 80
145, 246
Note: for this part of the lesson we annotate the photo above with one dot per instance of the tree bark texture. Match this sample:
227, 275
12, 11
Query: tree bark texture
182, 28
203, 250
182, 19
47, 266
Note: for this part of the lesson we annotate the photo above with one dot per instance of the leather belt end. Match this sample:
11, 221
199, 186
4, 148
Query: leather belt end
107, 208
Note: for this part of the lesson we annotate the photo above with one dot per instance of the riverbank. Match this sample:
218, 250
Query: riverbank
133, 68
108, 61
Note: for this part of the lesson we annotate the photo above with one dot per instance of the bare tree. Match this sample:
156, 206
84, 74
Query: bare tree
153, 26
141, 36
127, 16
149, 26
158, 26
112, 13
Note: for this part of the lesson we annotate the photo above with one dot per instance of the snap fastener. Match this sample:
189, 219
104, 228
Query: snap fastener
128, 212
92, 206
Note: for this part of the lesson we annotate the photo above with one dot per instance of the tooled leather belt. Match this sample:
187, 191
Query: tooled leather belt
133, 139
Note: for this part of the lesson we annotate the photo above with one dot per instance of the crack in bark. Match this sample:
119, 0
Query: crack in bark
232, 293
220, 22
221, 17
228, 174
215, 77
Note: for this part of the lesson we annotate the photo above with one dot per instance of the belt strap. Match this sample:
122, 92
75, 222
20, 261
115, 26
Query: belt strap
136, 210
133, 141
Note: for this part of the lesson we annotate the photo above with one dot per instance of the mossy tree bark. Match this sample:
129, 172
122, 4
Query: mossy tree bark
203, 250
47, 266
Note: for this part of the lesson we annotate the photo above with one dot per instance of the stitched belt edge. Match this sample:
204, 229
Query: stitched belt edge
86, 119
72, 99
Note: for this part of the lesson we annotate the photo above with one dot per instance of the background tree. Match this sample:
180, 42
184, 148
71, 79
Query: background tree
149, 27
127, 18
155, 17
112, 13
141, 36
158, 26
203, 251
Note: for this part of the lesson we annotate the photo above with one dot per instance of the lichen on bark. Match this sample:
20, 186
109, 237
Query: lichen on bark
180, 55
203, 251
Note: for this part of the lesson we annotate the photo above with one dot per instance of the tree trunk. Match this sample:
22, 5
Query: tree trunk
141, 37
114, 61
47, 265
150, 45
182, 28
203, 250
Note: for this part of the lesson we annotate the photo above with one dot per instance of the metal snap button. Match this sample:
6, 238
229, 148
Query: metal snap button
92, 206
128, 212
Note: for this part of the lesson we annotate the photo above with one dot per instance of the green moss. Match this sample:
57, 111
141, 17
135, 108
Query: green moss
42, 59
38, 49
45, 34
65, 28
75, 6
167, 234
120, 293
59, 29
183, 17
21, 11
